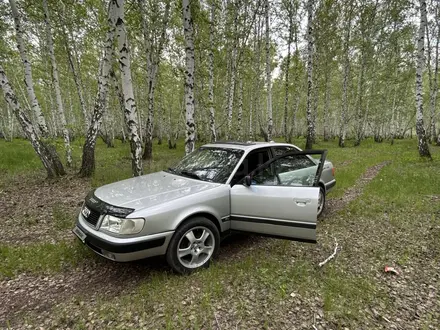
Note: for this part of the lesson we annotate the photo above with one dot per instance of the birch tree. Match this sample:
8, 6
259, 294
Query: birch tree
153, 55
346, 69
290, 13
420, 128
232, 71
310, 121
211, 73
88, 156
268, 75
56, 84
433, 76
29, 81
188, 30
130, 110
46, 153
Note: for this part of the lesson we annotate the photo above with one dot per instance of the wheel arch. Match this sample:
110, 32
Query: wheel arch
202, 214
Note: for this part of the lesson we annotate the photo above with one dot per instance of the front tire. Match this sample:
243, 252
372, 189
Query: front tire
321, 201
194, 244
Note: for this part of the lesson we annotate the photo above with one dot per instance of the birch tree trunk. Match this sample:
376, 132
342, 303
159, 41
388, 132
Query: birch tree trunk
326, 105
233, 72
420, 128
88, 156
48, 156
77, 80
240, 108
286, 78
359, 114
268, 75
211, 74
434, 87
130, 110
29, 82
56, 84
153, 61
344, 110
188, 30
310, 122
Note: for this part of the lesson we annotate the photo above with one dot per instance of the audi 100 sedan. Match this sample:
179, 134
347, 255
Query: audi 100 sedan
271, 189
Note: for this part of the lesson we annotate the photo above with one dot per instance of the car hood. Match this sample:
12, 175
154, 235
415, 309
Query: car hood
151, 189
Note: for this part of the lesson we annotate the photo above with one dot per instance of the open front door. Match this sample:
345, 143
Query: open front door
280, 198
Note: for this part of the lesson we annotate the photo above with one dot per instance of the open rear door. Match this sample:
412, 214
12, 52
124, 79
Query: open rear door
280, 198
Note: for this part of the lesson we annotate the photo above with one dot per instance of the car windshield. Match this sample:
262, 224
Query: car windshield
208, 164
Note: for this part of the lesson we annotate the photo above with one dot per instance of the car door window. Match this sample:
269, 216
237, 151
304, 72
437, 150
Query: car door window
252, 161
278, 151
292, 170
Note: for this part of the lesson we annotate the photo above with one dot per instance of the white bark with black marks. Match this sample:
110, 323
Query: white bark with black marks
344, 110
56, 85
130, 111
268, 74
88, 157
188, 29
153, 56
420, 128
309, 115
46, 153
240, 109
211, 74
41, 122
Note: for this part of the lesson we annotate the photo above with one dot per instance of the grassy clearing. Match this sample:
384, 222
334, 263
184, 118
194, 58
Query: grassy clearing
266, 283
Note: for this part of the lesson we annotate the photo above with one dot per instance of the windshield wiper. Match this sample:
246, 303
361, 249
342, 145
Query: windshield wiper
190, 174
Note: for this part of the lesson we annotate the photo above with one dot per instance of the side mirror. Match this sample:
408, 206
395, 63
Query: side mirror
247, 180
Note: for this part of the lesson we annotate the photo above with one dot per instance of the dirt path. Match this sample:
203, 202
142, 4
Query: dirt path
98, 277
336, 204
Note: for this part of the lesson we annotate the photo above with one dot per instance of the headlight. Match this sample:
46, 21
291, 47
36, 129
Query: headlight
122, 226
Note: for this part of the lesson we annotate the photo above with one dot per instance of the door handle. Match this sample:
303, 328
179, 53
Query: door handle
302, 202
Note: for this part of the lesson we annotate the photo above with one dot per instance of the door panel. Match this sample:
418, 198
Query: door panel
282, 198
288, 212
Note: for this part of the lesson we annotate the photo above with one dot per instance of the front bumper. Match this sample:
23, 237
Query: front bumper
123, 249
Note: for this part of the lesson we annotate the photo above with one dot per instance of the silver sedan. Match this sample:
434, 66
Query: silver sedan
271, 189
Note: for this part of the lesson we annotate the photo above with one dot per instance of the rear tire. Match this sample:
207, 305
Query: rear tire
321, 201
194, 244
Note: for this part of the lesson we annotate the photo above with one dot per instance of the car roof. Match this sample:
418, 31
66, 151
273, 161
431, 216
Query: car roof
246, 146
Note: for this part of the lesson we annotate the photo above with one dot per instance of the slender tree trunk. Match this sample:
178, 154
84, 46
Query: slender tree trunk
130, 111
153, 61
233, 72
326, 106
47, 153
211, 74
286, 80
434, 86
56, 84
268, 75
310, 123
78, 84
41, 122
88, 157
359, 120
344, 110
420, 128
188, 30
240, 109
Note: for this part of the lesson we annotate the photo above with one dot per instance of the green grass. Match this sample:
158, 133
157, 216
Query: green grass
40, 258
394, 222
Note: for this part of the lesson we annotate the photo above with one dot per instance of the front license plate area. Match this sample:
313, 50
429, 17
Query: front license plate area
81, 235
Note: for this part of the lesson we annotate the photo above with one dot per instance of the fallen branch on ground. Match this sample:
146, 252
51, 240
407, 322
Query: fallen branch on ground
332, 255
